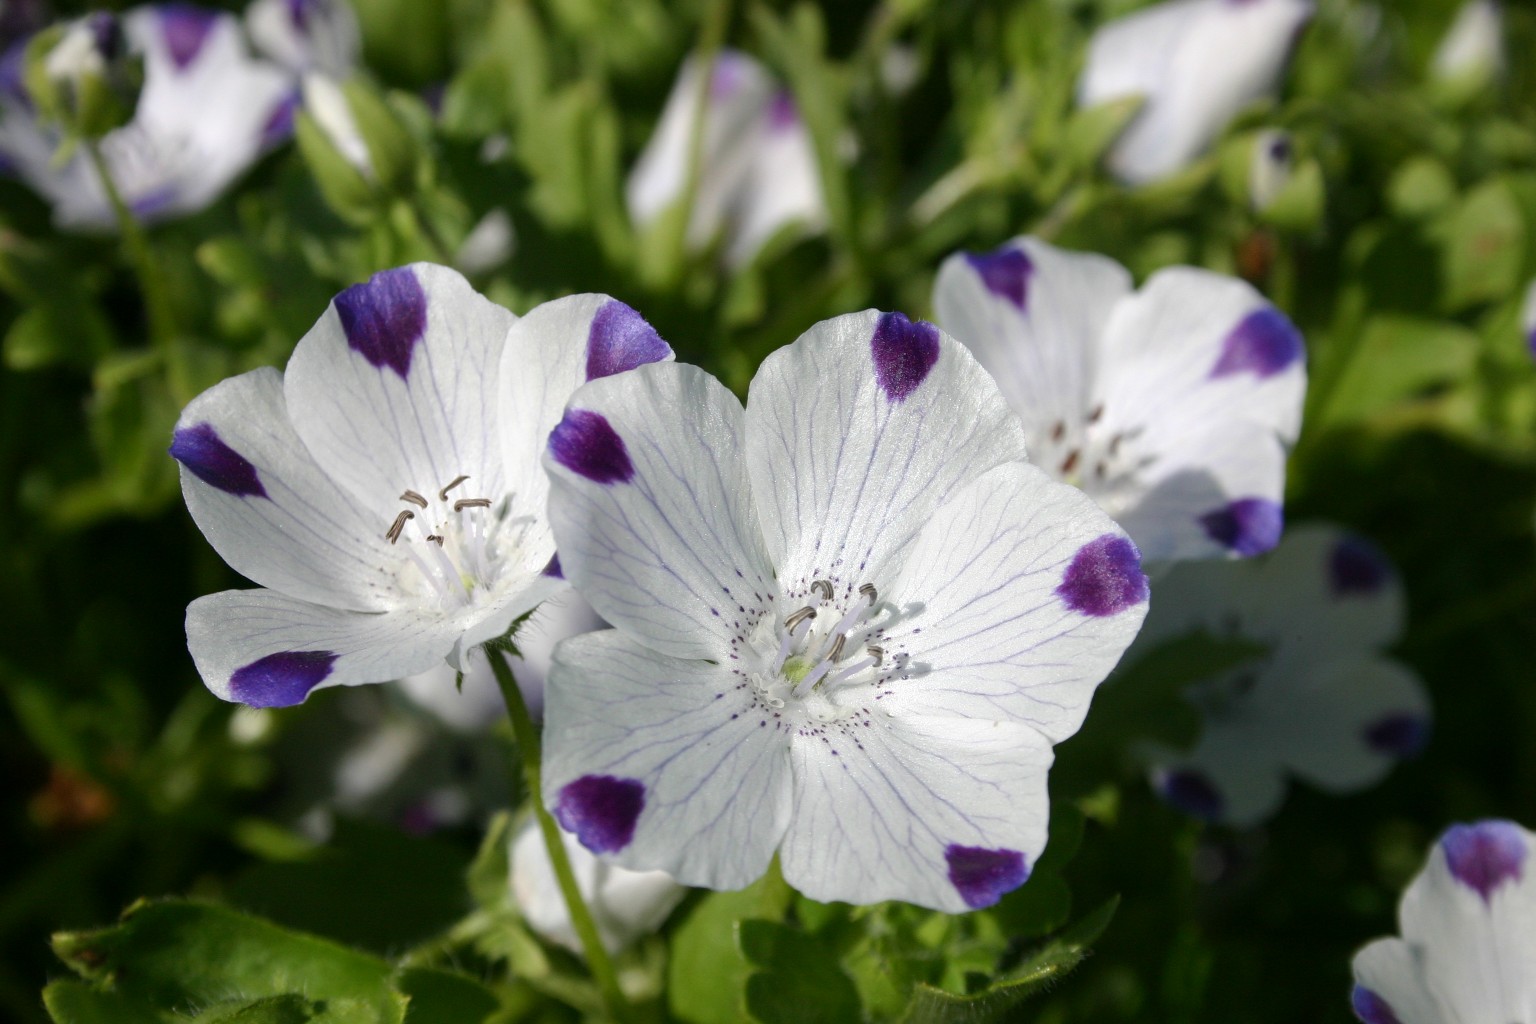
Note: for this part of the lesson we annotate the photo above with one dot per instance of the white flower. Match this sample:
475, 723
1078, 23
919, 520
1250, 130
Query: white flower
385, 491
757, 170
1528, 318
1197, 63
306, 35
1473, 46
207, 111
1322, 704
851, 621
84, 49
625, 905
1171, 406
1469, 936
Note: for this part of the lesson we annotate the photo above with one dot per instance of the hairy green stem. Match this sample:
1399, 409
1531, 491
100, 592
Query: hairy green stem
581, 918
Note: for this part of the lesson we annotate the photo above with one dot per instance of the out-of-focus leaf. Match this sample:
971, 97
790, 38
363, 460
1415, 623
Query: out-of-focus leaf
73, 1002
1421, 187
1398, 359
1090, 132
708, 971
1484, 247
799, 982
444, 997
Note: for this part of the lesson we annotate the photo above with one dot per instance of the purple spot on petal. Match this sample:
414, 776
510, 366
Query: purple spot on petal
730, 72
1264, 343
279, 126
584, 443
553, 568
1248, 526
186, 28
1104, 577
384, 318
280, 680
1191, 792
1370, 1007
1356, 566
298, 14
201, 449
1485, 855
620, 339
1005, 272
153, 203
984, 876
601, 811
905, 351
1401, 735
782, 112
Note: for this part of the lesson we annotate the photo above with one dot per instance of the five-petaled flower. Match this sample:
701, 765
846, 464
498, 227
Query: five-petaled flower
1469, 936
851, 621
1170, 406
385, 491
1322, 704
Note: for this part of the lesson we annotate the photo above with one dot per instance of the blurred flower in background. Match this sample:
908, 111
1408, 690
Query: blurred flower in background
306, 35
1472, 49
1468, 924
1196, 63
757, 170
1322, 704
1171, 406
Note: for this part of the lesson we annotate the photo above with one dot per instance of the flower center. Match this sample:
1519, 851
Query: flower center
820, 652
1105, 463
454, 549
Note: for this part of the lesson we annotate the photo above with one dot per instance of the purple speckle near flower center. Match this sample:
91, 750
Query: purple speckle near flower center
553, 569
585, 443
982, 876
1191, 792
620, 339
1485, 855
1248, 526
279, 124
1403, 734
905, 351
782, 112
384, 318
1356, 566
601, 811
280, 680
204, 453
185, 28
1370, 1007
1104, 577
1264, 343
1005, 272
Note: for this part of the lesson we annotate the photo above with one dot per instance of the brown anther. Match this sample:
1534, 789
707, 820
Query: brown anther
795, 618
822, 587
837, 646
414, 498
1059, 431
877, 652
393, 533
442, 495
1097, 413
464, 503
869, 591
435, 539
1070, 462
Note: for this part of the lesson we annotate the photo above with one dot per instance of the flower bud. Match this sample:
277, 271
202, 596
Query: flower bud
80, 76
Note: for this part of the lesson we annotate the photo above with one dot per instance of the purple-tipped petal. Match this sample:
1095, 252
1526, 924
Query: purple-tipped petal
1357, 566
186, 28
601, 811
1400, 735
384, 318
1248, 526
1005, 272
620, 339
982, 876
280, 680
553, 569
279, 124
585, 443
1104, 577
215, 463
1191, 792
782, 112
1485, 855
1370, 1007
1264, 343
905, 351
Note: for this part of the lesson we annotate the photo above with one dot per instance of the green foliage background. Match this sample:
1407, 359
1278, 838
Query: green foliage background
1402, 249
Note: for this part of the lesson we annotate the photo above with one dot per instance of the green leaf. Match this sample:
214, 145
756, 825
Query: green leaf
1091, 131
1421, 187
800, 981
1484, 247
1053, 961
72, 1002
489, 873
290, 1009
1398, 359
441, 996
708, 971
178, 953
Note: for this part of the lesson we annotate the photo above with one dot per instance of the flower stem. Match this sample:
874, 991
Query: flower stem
581, 918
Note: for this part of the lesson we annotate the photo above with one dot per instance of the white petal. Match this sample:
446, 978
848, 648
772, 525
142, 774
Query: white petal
267, 508
857, 432
1528, 317
653, 514
1389, 973
1233, 775
944, 813
1474, 43
1034, 316
662, 763
1130, 56
553, 350
395, 387
325, 101
1006, 621
261, 648
782, 186
311, 35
